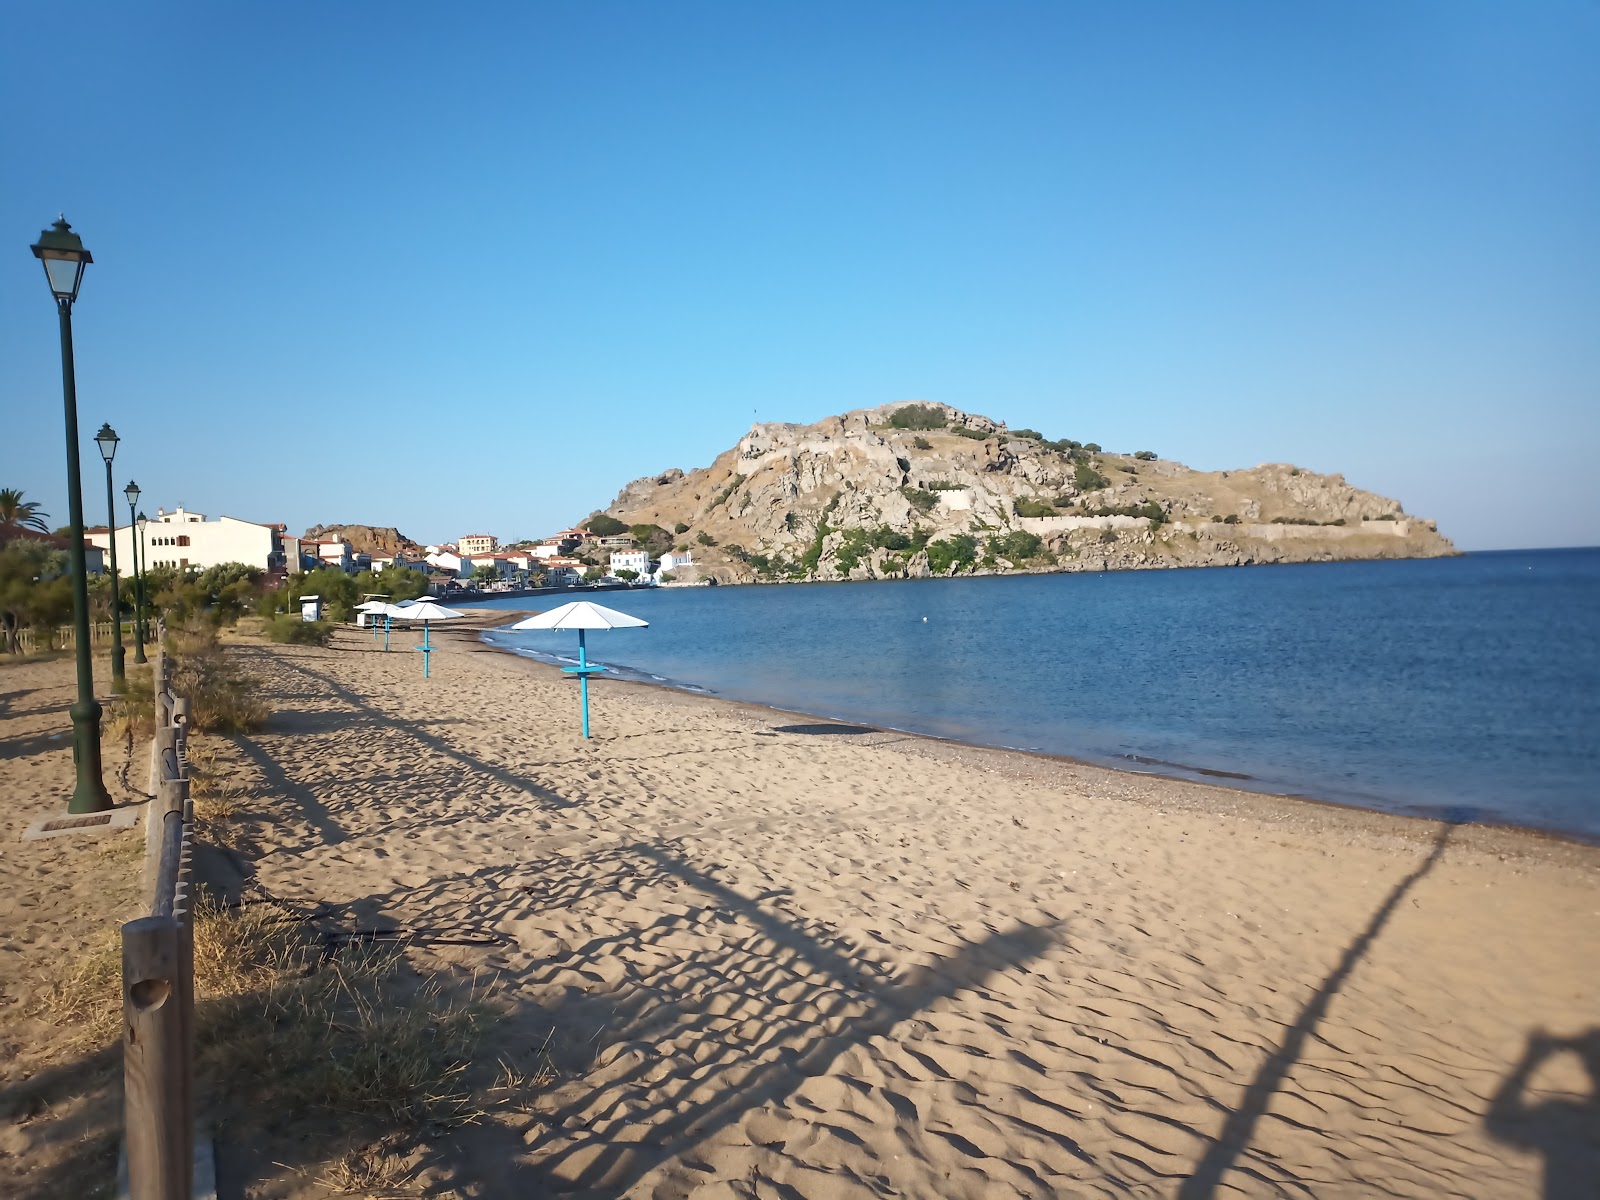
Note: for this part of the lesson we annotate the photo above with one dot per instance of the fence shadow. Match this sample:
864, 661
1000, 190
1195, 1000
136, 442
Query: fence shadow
416, 730
679, 1017
1239, 1128
1564, 1130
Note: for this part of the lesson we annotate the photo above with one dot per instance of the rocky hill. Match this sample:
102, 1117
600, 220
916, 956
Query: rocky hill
912, 489
365, 539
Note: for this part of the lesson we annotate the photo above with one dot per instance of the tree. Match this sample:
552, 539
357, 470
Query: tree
592, 574
27, 569
680, 527
606, 526
628, 574
485, 573
705, 539
1145, 455
17, 514
958, 551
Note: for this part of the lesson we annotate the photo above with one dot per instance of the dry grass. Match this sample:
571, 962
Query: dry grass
291, 1028
378, 1172
222, 698
296, 1029
134, 709
87, 995
219, 796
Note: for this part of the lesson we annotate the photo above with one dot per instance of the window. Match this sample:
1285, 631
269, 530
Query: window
183, 539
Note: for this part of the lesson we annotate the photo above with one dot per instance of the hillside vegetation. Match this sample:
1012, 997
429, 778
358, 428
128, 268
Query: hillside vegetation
913, 489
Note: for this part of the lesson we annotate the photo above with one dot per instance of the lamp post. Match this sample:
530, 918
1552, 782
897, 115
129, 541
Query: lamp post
132, 494
144, 579
107, 440
64, 258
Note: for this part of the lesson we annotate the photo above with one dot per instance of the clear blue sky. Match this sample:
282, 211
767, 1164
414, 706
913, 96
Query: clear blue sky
473, 268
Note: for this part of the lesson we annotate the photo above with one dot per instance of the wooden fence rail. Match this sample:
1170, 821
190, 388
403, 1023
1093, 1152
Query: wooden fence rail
158, 971
31, 641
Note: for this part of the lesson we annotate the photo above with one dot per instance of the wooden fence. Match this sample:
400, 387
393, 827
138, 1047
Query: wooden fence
32, 641
158, 971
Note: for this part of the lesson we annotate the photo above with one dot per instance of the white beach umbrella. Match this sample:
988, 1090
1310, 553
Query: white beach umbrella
582, 615
424, 611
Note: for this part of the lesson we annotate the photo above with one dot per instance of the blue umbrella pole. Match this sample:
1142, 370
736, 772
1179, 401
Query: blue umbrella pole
426, 649
583, 661
387, 621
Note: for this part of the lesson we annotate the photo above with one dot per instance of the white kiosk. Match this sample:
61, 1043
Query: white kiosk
311, 608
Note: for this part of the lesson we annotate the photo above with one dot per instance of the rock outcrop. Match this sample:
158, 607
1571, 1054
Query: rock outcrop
382, 540
862, 496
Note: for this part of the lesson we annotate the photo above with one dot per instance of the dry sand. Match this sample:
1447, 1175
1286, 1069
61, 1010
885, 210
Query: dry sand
779, 957
59, 1111
768, 956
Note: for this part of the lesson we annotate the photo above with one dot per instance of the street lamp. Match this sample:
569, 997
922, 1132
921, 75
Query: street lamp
132, 493
107, 440
144, 579
64, 258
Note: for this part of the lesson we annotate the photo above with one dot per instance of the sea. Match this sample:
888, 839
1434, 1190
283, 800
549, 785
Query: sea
1464, 689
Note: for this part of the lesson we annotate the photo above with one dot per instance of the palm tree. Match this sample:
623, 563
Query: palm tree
17, 514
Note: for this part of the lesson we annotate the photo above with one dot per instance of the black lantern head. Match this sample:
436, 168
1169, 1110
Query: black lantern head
107, 440
132, 493
64, 258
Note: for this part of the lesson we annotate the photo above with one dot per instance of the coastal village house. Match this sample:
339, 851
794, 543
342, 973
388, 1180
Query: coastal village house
476, 543
671, 561
187, 539
562, 572
338, 554
631, 560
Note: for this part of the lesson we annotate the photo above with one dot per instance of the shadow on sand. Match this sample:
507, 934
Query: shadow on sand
1564, 1129
1239, 1128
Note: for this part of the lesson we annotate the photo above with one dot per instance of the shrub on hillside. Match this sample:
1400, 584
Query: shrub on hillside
1145, 455
921, 443
958, 551
605, 526
918, 416
1033, 508
1088, 479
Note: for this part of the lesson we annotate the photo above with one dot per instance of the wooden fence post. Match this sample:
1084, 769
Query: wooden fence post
155, 1060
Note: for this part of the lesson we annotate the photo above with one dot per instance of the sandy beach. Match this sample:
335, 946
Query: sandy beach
761, 955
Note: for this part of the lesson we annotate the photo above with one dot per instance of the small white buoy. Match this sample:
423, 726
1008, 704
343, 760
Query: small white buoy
924, 620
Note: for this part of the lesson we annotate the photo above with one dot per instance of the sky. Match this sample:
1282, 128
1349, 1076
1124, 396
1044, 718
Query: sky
472, 269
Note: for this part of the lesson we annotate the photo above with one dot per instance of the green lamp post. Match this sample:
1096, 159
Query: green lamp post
107, 440
132, 494
64, 258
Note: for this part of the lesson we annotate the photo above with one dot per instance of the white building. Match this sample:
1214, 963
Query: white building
548, 550
499, 562
446, 560
338, 554
673, 559
186, 539
637, 561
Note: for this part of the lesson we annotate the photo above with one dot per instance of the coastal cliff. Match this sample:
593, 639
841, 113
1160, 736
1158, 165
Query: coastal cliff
912, 489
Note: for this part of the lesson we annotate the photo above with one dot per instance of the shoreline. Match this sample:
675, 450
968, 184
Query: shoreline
1193, 776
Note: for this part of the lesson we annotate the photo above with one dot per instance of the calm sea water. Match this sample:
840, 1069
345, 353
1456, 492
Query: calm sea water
1467, 688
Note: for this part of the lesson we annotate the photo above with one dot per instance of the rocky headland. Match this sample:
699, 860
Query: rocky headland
915, 489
